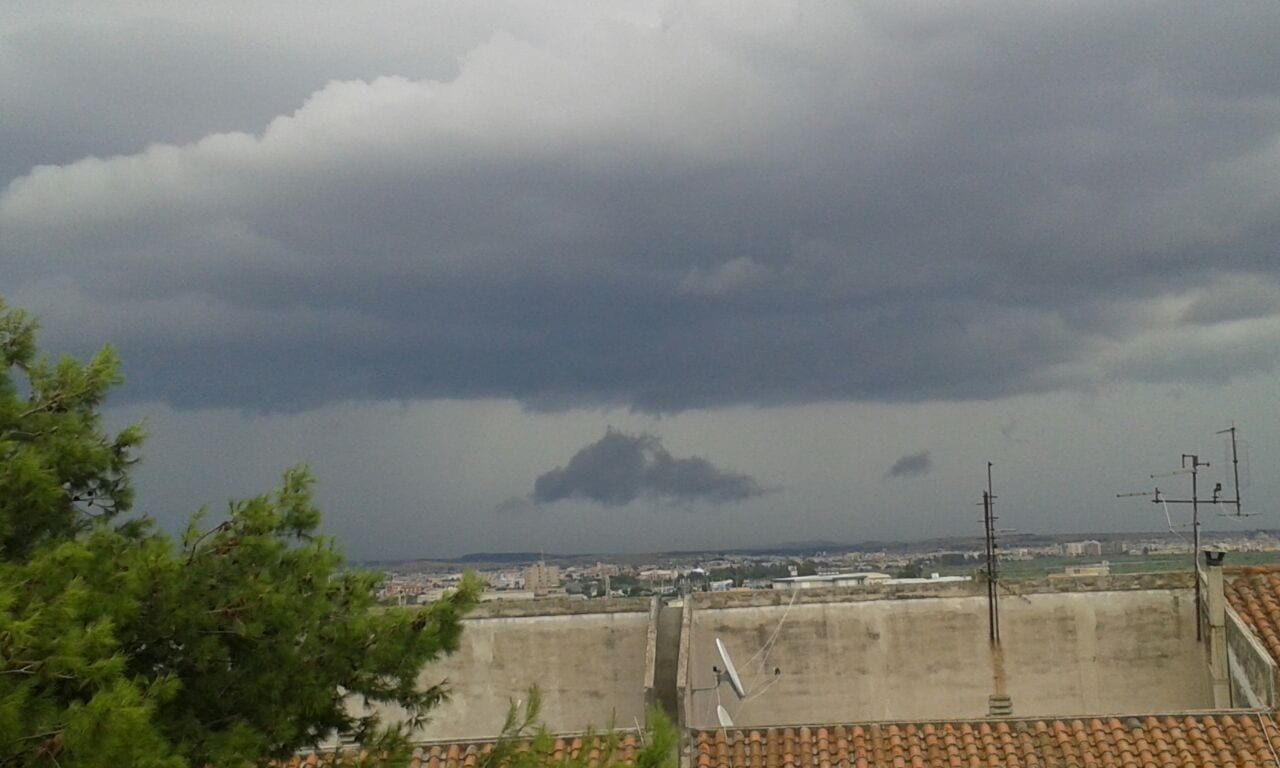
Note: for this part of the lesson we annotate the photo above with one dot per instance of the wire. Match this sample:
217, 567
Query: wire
767, 648
761, 691
1169, 519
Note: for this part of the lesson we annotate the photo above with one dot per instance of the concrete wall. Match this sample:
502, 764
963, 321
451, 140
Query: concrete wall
589, 667
1252, 671
846, 655
1065, 653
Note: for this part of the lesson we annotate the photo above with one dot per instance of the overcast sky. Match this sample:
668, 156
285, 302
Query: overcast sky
596, 276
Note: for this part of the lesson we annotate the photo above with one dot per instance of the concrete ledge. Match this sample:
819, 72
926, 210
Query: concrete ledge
557, 606
651, 649
1054, 585
682, 664
1252, 672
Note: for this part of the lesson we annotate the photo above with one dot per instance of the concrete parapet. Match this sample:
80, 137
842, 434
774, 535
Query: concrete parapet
854, 660
682, 664
1115, 582
1123, 582
1252, 672
651, 649
589, 667
558, 606
1088, 645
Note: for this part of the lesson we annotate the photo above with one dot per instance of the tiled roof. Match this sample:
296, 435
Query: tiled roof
1255, 594
467, 754
1227, 740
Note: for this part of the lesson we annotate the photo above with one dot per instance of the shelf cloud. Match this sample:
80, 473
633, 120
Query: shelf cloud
664, 208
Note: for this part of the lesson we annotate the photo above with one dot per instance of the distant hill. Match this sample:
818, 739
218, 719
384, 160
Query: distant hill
506, 557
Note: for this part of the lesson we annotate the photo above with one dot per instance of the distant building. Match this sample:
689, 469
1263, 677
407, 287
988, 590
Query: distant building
829, 580
541, 578
1115, 547
601, 570
1090, 548
859, 579
654, 575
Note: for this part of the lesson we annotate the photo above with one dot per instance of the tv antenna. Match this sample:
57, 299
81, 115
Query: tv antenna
999, 702
993, 560
1191, 465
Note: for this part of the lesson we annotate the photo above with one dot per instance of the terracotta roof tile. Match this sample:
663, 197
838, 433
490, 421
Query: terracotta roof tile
1202, 741
469, 754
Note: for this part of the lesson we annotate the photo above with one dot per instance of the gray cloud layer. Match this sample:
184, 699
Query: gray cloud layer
661, 207
911, 465
620, 468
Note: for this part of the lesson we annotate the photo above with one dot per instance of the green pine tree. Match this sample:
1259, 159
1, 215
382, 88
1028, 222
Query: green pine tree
120, 646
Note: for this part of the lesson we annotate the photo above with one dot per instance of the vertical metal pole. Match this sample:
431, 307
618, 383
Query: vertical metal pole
995, 558
986, 527
1235, 467
1195, 539
1195, 531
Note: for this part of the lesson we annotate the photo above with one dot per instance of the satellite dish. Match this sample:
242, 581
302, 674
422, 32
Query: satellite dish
723, 715
731, 671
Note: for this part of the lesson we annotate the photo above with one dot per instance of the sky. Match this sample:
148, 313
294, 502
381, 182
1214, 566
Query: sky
631, 276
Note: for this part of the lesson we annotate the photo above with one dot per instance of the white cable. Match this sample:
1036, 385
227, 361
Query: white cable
761, 691
767, 648
1169, 519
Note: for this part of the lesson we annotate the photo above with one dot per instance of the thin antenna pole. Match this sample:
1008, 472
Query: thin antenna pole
986, 538
1194, 468
995, 556
1195, 529
1235, 467
993, 559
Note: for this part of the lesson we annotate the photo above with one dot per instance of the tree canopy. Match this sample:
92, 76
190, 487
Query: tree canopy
240, 641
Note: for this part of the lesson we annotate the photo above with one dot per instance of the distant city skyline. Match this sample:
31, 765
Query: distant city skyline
1009, 547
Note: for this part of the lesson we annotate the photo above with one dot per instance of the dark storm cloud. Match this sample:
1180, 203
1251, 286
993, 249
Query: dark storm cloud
800, 204
911, 465
620, 468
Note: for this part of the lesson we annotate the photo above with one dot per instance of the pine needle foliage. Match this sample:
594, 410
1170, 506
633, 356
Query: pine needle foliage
526, 743
237, 643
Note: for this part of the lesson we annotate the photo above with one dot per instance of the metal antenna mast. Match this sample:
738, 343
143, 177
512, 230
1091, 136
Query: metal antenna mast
993, 560
1191, 465
999, 704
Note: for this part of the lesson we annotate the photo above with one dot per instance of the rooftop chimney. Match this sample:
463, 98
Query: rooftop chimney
1215, 611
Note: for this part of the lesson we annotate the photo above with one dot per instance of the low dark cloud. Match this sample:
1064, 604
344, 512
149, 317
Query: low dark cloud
911, 465
851, 202
620, 468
